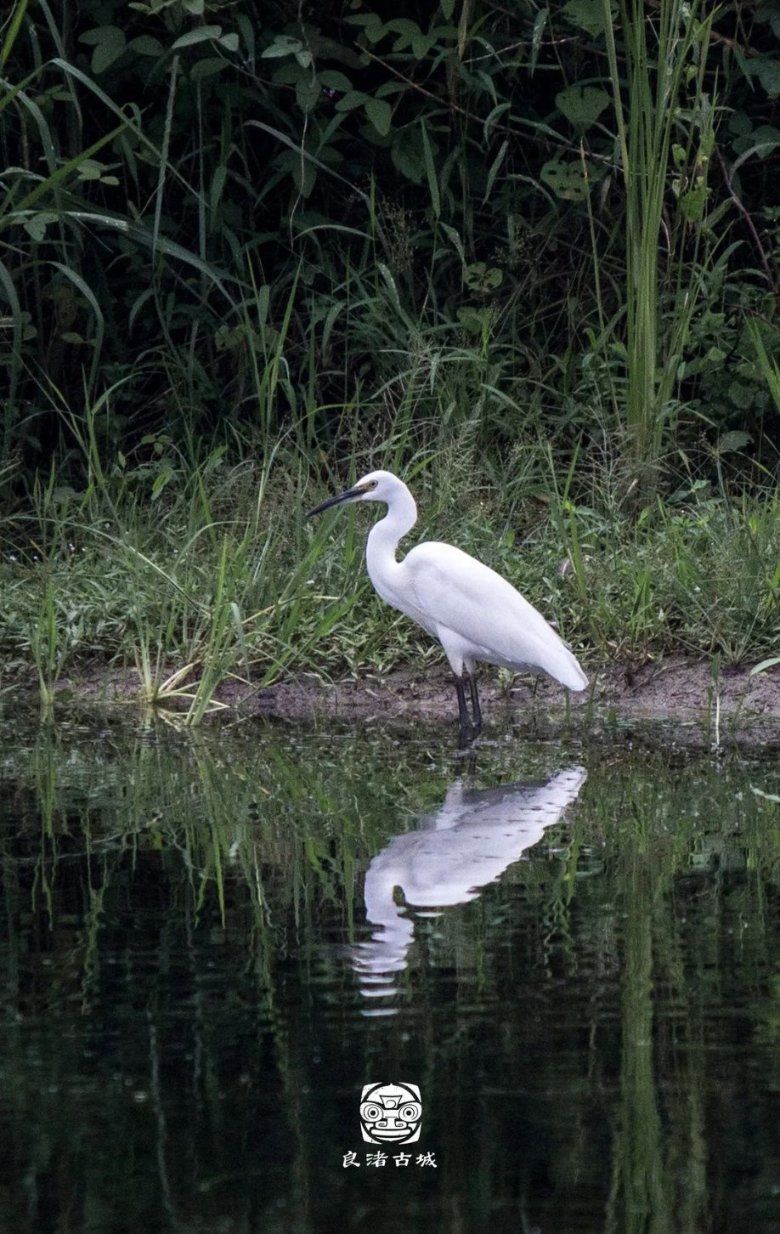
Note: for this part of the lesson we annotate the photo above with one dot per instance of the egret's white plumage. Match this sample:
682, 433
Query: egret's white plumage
473, 612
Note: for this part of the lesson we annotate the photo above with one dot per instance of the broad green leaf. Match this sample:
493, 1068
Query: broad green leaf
202, 35
482, 278
421, 45
389, 89
36, 225
145, 45
371, 23
304, 176
767, 70
566, 179
582, 105
741, 395
351, 100
283, 45
90, 169
732, 442
693, 202
332, 79
109, 42
761, 141
474, 320
96, 35
587, 14
769, 11
403, 26
207, 67
247, 32
306, 94
740, 123
379, 113
407, 154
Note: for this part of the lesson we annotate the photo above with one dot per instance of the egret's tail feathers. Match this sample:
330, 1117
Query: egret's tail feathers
563, 667
574, 678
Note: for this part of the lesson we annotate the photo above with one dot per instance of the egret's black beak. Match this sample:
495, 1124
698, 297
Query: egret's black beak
349, 495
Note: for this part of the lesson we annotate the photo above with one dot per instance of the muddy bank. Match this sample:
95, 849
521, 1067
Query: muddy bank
737, 707
675, 694
659, 691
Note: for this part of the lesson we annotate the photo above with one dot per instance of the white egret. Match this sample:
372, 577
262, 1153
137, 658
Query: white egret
473, 612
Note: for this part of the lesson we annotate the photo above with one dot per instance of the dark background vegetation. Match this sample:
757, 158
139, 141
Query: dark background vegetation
525, 253
403, 182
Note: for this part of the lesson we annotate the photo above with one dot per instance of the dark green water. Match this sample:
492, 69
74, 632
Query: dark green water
193, 998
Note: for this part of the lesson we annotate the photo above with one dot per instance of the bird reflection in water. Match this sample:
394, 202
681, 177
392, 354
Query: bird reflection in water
468, 843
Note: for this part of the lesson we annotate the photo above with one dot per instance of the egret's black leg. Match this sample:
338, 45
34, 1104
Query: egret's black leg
463, 711
467, 727
475, 707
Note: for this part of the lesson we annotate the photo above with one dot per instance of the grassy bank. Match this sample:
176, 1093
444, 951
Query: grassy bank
190, 569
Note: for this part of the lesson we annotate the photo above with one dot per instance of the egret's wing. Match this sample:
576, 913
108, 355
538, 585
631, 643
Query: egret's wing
460, 593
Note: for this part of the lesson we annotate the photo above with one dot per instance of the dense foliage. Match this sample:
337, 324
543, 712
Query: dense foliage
525, 253
547, 219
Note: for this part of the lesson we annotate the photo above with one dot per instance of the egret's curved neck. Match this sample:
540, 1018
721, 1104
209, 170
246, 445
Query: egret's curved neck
384, 536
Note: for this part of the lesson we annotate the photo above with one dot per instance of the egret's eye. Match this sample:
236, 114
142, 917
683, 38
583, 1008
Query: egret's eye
372, 484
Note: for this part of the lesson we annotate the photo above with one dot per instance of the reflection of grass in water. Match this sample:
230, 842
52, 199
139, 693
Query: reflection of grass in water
639, 1177
310, 813
252, 848
659, 1162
